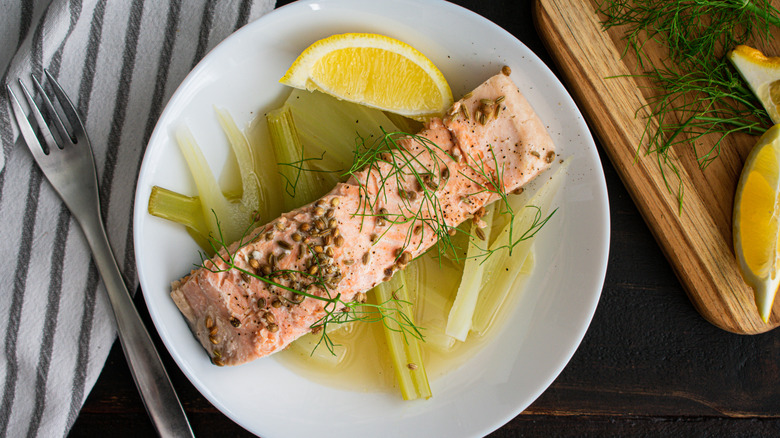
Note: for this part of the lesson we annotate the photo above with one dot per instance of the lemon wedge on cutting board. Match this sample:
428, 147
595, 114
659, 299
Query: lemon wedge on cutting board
762, 73
372, 70
757, 220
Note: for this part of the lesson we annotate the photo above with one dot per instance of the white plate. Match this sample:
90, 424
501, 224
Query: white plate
541, 334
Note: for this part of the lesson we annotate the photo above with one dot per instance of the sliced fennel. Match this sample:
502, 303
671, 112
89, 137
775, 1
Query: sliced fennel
252, 196
265, 167
301, 185
236, 212
405, 351
487, 308
235, 217
459, 321
501, 218
432, 282
186, 210
506, 261
312, 150
329, 128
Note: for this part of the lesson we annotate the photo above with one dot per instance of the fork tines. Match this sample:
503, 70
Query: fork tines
59, 137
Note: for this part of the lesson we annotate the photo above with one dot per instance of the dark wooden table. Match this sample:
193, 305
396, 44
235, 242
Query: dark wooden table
648, 366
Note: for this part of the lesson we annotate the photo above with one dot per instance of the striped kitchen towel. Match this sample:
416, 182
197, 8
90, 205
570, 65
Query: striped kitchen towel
119, 61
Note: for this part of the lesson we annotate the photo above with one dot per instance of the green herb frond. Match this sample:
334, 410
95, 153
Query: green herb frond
690, 28
393, 165
299, 167
696, 95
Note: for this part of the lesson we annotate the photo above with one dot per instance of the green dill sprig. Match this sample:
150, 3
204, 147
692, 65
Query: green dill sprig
337, 311
717, 103
538, 222
494, 185
299, 167
697, 95
388, 161
690, 28
704, 104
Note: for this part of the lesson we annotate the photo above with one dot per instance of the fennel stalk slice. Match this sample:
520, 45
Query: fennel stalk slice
330, 130
236, 211
459, 321
300, 183
405, 351
507, 260
432, 282
186, 210
236, 217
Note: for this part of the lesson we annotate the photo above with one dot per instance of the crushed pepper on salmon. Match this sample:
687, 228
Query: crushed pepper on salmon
367, 228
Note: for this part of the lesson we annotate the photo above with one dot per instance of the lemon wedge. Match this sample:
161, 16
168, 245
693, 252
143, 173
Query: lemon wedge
757, 220
372, 70
762, 73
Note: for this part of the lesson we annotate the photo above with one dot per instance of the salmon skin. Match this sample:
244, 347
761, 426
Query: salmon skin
390, 211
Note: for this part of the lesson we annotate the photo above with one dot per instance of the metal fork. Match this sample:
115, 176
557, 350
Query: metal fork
69, 165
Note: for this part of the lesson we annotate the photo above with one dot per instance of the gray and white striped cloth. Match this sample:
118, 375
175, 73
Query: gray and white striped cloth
119, 61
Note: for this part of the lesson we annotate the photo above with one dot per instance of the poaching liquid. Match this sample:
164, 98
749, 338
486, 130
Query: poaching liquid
362, 362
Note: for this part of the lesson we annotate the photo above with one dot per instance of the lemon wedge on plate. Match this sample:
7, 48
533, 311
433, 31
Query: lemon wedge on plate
372, 70
762, 73
757, 220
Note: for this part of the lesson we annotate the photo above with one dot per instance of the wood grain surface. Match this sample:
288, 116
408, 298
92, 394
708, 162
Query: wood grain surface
649, 365
697, 240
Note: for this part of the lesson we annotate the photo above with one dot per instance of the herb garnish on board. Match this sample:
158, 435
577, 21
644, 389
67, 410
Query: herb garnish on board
698, 93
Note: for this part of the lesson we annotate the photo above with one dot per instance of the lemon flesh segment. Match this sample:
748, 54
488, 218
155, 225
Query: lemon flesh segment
757, 220
762, 73
372, 70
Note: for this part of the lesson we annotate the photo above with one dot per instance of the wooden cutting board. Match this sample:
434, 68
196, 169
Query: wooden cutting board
697, 241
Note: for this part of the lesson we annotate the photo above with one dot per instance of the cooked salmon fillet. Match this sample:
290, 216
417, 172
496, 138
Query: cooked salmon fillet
366, 229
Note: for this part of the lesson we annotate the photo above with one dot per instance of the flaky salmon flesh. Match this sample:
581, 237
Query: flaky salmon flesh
367, 228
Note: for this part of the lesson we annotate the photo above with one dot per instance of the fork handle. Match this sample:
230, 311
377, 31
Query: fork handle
147, 369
